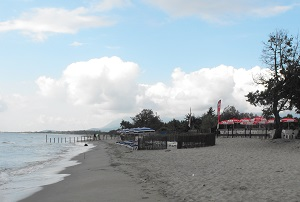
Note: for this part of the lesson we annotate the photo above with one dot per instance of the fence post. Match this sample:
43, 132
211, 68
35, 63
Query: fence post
139, 143
166, 141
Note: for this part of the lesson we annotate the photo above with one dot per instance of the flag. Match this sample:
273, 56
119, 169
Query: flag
218, 110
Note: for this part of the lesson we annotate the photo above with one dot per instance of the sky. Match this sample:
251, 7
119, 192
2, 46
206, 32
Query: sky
80, 64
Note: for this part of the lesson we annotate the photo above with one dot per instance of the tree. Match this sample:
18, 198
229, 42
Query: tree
281, 56
230, 112
125, 124
292, 85
146, 118
197, 123
209, 120
189, 118
176, 126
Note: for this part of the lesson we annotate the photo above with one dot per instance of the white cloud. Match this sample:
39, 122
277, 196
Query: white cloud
95, 92
107, 5
76, 43
271, 11
200, 90
221, 11
42, 22
102, 82
3, 105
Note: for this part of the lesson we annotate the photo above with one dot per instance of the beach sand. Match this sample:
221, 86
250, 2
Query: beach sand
235, 169
95, 179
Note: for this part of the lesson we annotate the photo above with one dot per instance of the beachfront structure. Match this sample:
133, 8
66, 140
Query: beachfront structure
257, 126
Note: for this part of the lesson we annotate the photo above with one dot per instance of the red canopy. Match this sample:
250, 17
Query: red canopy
271, 120
259, 120
285, 120
223, 122
233, 120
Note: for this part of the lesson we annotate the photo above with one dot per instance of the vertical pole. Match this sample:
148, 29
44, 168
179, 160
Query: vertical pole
46, 139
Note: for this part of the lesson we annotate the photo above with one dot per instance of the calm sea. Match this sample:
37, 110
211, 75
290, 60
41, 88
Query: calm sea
27, 162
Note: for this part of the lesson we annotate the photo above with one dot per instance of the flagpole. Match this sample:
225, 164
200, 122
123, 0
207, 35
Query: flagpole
190, 118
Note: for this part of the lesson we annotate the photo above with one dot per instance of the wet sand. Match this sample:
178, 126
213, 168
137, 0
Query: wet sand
95, 179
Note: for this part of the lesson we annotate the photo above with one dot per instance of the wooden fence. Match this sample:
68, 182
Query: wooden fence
196, 140
76, 138
152, 142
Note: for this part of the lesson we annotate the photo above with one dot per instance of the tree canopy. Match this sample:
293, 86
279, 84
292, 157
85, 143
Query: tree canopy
281, 86
146, 118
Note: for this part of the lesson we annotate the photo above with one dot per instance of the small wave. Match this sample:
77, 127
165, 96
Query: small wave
4, 177
5, 142
34, 166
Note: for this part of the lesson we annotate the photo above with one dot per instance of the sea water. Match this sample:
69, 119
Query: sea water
29, 161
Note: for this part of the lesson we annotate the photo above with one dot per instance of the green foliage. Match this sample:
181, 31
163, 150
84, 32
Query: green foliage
126, 124
230, 112
205, 123
146, 118
176, 126
281, 55
209, 120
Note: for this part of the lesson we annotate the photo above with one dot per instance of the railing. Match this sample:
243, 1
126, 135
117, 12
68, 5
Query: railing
258, 132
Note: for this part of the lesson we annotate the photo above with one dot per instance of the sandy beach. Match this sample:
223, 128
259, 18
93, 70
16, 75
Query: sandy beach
95, 179
235, 169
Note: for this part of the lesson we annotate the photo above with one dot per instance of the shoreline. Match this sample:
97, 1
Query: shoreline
235, 169
94, 179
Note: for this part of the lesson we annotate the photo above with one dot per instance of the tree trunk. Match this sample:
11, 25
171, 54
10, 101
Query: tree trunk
278, 126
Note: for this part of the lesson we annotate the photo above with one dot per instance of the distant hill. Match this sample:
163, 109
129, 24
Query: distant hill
114, 125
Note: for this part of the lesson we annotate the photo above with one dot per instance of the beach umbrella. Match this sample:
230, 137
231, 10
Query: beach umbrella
288, 120
259, 120
245, 121
233, 121
271, 120
143, 130
223, 122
